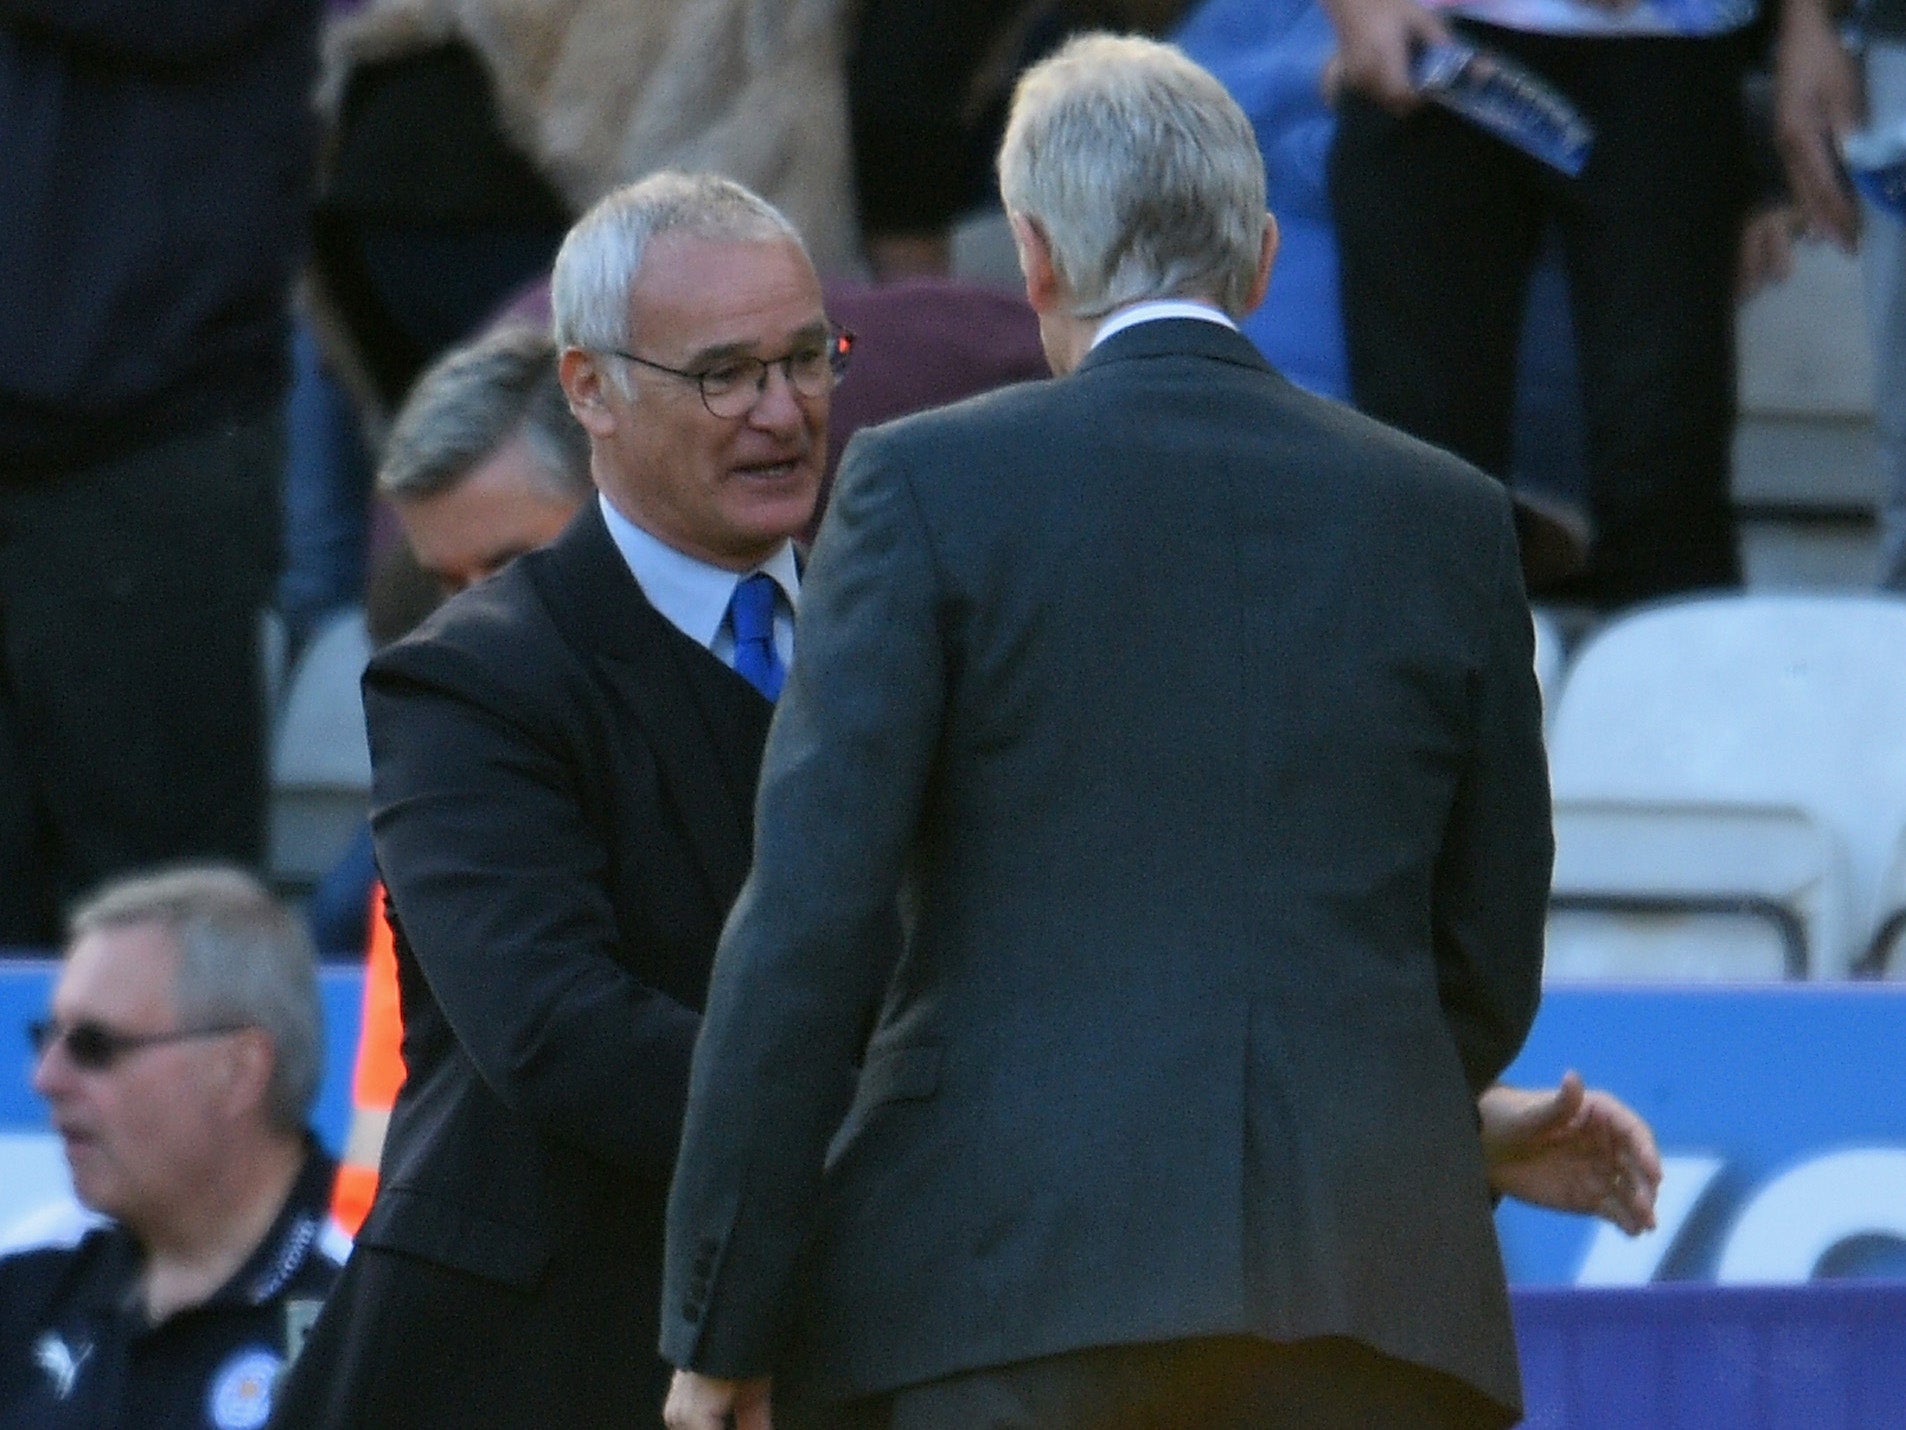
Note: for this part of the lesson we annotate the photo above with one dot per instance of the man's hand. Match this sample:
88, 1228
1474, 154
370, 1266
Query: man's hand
1572, 1150
703, 1402
1766, 256
1816, 104
1375, 39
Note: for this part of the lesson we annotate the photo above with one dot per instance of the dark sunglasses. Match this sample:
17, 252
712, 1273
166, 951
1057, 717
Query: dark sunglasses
95, 1047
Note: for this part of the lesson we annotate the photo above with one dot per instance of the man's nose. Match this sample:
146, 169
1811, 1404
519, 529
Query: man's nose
778, 407
51, 1071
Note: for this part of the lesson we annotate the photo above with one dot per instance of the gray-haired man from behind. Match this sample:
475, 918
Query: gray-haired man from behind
179, 1061
1195, 720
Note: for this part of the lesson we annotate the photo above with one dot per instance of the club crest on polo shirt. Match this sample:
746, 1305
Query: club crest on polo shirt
60, 1362
240, 1397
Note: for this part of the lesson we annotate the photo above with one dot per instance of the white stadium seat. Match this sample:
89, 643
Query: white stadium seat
1717, 761
321, 759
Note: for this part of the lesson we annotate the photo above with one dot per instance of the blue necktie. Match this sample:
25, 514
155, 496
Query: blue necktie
751, 617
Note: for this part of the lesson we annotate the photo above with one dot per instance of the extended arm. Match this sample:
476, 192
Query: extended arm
1492, 870
1816, 104
810, 944
499, 886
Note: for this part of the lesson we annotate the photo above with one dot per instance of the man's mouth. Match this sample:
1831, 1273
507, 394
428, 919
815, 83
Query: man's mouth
781, 471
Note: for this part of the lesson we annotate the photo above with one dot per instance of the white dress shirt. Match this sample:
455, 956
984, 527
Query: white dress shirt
694, 595
1154, 308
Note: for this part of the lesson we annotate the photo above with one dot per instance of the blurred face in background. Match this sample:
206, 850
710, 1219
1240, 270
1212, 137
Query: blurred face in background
503, 507
142, 1132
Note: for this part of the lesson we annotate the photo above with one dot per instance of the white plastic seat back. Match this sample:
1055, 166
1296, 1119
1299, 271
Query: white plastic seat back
321, 759
1774, 701
1885, 953
1692, 893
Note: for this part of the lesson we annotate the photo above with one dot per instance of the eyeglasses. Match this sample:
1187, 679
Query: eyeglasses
732, 386
94, 1047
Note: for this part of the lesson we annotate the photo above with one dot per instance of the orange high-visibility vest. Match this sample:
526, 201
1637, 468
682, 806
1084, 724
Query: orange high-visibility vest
380, 1072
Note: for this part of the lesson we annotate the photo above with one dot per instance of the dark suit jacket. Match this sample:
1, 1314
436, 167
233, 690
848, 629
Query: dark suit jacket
1195, 719
562, 810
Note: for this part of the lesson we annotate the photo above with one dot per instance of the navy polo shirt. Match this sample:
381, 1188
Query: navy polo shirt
76, 1349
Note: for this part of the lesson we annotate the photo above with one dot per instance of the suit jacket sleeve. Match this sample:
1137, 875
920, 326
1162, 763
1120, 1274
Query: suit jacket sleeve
1492, 872
498, 882
812, 937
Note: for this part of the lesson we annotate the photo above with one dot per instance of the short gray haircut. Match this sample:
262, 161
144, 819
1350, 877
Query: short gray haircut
1141, 171
243, 959
474, 401
599, 260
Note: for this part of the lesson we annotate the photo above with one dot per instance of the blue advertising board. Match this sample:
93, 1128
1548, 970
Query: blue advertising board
1781, 1114
1780, 1109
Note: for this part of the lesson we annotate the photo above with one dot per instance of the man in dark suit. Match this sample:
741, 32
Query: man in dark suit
565, 763
1193, 720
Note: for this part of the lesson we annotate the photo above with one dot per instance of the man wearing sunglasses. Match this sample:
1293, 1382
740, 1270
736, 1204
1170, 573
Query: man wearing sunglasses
565, 758
179, 1061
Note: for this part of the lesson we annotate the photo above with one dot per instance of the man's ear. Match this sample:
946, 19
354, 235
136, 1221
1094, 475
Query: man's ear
1266, 259
1043, 288
584, 377
248, 1072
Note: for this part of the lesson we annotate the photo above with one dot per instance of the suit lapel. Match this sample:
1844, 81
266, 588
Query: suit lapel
705, 724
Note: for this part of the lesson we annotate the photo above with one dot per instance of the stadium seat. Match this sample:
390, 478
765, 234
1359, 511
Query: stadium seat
321, 761
1692, 892
1885, 953
1729, 772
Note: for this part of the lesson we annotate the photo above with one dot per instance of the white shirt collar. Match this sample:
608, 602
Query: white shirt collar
1154, 308
689, 592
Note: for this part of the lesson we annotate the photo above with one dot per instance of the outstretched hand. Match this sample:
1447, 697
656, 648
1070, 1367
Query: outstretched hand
1573, 1150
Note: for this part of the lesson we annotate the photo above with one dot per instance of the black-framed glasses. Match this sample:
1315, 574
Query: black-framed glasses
731, 387
95, 1047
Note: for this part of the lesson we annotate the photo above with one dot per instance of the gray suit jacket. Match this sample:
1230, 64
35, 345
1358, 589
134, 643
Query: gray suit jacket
1194, 721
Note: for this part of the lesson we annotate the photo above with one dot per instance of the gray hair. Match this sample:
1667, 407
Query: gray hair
598, 262
471, 403
1142, 173
243, 958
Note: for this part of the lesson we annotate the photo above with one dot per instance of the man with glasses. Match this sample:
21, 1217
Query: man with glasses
179, 1061
565, 758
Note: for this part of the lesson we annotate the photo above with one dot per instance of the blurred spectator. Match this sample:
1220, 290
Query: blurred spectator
927, 84
1272, 55
1439, 226
486, 460
152, 210
919, 343
1820, 100
180, 1062
327, 496
467, 134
